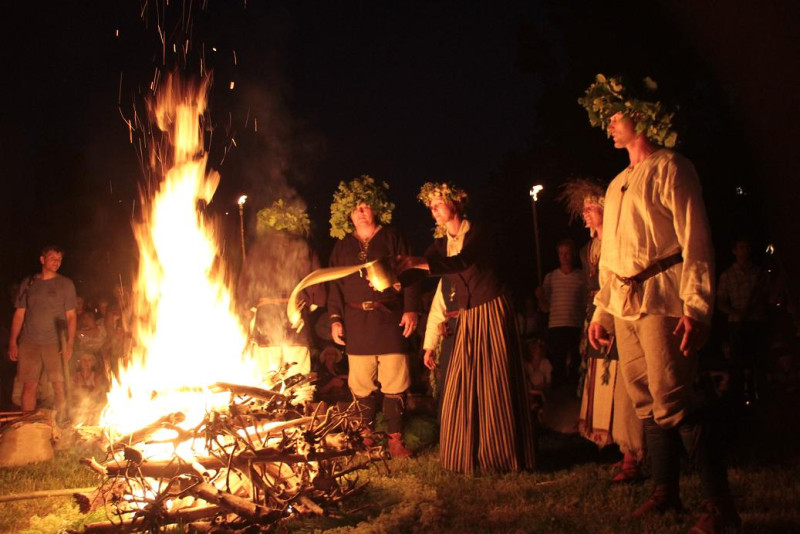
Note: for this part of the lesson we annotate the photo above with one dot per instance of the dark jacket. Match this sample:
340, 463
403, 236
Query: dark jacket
377, 331
471, 273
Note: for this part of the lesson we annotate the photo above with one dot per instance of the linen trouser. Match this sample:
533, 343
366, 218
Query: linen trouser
391, 372
660, 381
658, 377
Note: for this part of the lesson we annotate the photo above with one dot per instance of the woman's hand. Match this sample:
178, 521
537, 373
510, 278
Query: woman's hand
404, 263
428, 360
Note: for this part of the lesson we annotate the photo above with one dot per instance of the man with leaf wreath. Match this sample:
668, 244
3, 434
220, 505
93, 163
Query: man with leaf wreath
656, 272
373, 325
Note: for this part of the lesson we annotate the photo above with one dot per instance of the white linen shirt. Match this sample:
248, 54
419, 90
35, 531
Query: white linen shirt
438, 311
652, 211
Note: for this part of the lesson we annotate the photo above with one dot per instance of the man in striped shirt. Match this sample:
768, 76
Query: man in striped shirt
563, 296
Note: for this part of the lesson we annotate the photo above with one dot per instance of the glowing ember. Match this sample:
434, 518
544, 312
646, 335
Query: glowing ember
186, 334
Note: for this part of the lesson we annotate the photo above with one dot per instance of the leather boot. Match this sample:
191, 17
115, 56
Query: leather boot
396, 447
719, 517
706, 454
366, 406
663, 448
664, 498
393, 408
630, 471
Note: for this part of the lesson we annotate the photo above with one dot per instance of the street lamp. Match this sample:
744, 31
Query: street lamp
534, 198
241, 201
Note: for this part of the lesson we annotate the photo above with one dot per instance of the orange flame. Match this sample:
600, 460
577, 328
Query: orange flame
186, 335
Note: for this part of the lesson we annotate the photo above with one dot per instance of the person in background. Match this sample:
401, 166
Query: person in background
585, 199
43, 330
374, 326
89, 387
279, 259
563, 296
486, 424
743, 295
656, 286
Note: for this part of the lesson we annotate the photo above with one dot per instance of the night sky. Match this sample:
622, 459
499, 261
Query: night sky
481, 93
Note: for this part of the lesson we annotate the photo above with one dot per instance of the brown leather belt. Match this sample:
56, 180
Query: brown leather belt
369, 305
658, 267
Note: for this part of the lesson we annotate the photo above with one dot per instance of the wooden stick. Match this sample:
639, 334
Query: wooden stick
44, 494
239, 505
185, 515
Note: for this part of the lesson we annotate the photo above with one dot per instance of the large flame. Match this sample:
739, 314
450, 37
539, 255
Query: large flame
186, 335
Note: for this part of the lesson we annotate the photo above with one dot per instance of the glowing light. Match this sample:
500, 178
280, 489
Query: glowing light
242, 200
186, 335
535, 192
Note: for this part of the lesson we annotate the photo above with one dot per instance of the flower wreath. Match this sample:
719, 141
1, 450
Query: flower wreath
447, 192
608, 96
361, 190
282, 217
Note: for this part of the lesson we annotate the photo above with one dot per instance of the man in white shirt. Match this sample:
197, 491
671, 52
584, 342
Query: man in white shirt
656, 268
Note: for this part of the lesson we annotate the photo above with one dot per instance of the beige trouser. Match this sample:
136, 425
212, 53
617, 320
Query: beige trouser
626, 428
658, 377
270, 359
390, 370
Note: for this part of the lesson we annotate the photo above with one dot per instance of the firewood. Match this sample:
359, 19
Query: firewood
42, 494
144, 433
250, 391
185, 515
240, 506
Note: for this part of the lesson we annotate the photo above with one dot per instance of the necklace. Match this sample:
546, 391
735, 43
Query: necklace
363, 244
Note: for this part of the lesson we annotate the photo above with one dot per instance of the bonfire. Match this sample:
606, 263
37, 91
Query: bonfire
196, 434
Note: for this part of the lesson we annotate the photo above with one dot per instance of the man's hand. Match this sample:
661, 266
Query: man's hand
427, 359
598, 336
13, 352
694, 334
68, 352
409, 323
337, 333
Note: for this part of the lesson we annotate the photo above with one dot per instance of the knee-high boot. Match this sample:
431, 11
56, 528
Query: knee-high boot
705, 453
366, 406
393, 408
663, 449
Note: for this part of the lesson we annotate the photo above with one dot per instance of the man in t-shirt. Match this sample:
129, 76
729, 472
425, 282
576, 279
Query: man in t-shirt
45, 305
563, 296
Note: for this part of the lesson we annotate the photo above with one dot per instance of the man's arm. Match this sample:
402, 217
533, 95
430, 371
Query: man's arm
16, 328
72, 326
683, 195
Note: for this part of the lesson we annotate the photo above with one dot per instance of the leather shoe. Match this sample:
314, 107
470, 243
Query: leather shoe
663, 499
720, 517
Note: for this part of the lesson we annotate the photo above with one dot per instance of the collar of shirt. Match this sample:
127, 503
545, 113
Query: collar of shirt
455, 243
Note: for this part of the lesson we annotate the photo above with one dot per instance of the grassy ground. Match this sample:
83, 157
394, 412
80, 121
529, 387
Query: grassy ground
569, 493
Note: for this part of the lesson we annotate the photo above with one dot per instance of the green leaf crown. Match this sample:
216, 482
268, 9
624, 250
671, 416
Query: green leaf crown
447, 192
608, 96
282, 217
361, 190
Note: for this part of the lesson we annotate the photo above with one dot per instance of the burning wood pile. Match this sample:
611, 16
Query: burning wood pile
227, 444
262, 459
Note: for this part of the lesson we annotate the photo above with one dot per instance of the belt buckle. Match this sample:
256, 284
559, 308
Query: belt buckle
368, 305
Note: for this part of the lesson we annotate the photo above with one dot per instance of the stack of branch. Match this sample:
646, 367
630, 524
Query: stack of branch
264, 460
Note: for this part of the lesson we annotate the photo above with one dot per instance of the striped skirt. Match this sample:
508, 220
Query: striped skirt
486, 421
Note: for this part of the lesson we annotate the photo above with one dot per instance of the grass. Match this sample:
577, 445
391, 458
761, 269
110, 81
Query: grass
570, 492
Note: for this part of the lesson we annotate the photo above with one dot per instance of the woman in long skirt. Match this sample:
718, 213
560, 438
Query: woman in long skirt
486, 421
